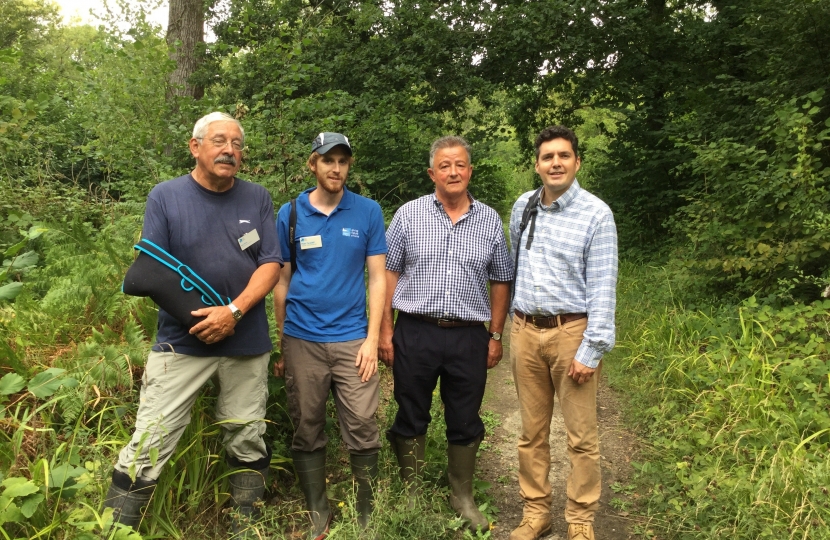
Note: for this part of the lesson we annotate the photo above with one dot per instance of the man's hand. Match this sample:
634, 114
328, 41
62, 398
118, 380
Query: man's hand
580, 373
386, 350
494, 353
218, 325
279, 368
367, 360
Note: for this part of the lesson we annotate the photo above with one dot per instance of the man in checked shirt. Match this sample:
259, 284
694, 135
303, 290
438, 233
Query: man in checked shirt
563, 322
443, 248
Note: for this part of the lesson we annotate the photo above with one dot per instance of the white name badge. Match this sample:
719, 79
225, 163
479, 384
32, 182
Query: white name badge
248, 239
310, 242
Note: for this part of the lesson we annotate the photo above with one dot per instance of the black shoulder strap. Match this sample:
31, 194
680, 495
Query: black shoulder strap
292, 230
528, 215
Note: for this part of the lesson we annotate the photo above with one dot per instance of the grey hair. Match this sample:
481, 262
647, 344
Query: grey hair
450, 141
201, 127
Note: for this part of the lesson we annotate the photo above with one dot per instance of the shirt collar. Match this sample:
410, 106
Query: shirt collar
438, 205
346, 201
566, 198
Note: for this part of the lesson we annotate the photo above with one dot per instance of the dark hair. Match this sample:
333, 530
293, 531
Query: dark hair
557, 132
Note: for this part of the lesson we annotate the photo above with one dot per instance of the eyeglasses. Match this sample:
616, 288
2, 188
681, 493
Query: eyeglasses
219, 142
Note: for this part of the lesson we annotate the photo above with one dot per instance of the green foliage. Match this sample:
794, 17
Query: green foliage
733, 404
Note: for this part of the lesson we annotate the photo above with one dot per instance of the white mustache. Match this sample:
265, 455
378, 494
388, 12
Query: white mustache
228, 160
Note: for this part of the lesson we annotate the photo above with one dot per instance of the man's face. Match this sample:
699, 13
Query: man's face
219, 153
451, 172
557, 165
331, 170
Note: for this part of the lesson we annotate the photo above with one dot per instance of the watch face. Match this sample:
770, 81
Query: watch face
237, 314
496, 336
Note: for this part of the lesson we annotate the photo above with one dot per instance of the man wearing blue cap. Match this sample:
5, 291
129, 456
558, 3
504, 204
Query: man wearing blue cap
328, 344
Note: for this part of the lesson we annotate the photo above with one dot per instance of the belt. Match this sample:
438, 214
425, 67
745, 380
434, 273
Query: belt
551, 321
444, 323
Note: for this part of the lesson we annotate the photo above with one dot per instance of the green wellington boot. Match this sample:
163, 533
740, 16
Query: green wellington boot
461, 464
311, 471
365, 471
247, 487
128, 499
410, 454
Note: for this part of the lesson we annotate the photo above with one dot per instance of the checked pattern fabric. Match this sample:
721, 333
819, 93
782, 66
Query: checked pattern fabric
571, 266
444, 268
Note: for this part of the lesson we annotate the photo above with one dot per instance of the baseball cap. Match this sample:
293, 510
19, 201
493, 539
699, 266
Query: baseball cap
326, 141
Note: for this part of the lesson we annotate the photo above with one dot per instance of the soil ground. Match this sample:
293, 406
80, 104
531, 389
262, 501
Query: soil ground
498, 463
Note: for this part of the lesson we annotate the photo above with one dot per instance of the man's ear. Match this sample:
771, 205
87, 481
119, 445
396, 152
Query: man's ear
193, 145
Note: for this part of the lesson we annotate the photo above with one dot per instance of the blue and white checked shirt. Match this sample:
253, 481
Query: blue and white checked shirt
444, 267
571, 266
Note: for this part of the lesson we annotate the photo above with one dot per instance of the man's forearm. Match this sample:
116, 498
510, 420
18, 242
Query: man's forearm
280, 294
261, 283
499, 304
388, 320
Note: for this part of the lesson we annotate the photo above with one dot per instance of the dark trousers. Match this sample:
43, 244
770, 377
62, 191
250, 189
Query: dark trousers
423, 353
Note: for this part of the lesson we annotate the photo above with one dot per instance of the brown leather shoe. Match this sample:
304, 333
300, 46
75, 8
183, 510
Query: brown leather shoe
531, 528
580, 531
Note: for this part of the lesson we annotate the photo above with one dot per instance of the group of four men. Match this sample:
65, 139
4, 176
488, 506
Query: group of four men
432, 266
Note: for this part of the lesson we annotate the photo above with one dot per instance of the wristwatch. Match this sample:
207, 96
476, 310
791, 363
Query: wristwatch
495, 336
237, 313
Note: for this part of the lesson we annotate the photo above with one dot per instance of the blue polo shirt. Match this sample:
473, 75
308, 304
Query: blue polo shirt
326, 300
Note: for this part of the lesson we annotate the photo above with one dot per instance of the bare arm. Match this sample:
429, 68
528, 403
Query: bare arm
219, 322
499, 304
367, 356
387, 327
280, 294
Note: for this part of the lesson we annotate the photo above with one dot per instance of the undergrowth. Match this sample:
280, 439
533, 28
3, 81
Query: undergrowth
733, 405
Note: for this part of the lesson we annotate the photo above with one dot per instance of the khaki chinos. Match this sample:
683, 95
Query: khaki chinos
169, 388
541, 358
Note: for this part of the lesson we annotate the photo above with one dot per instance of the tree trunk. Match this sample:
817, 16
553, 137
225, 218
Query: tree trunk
185, 30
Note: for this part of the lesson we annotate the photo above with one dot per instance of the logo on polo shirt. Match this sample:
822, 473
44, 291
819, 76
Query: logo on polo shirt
351, 232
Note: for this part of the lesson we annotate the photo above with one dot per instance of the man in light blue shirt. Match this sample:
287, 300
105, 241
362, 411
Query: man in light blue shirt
563, 323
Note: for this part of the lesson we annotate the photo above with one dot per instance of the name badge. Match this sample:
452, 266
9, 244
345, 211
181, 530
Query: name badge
248, 239
309, 242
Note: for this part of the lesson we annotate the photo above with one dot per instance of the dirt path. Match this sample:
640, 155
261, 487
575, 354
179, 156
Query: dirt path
498, 464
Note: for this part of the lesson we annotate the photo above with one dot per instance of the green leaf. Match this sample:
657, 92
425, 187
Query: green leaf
30, 504
11, 383
63, 476
18, 487
15, 249
35, 231
154, 455
10, 291
25, 260
47, 383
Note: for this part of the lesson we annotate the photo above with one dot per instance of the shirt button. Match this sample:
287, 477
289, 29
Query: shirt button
449, 272
449, 252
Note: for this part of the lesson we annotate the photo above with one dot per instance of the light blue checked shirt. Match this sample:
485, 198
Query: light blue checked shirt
571, 266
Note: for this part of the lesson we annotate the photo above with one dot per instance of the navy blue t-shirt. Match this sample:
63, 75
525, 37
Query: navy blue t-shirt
326, 300
202, 228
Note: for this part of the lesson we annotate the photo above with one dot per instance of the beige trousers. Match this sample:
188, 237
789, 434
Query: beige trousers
169, 388
541, 358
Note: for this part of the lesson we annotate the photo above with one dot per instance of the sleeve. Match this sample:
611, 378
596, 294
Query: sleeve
395, 243
155, 226
601, 288
282, 230
269, 250
377, 238
501, 265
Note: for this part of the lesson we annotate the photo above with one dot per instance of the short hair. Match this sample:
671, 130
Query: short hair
450, 141
201, 127
557, 132
312, 159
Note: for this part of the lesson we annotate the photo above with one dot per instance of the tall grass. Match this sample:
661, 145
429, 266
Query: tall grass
733, 402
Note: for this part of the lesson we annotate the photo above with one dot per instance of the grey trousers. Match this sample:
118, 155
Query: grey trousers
169, 388
312, 370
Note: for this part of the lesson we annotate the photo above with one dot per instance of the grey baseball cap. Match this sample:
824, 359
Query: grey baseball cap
326, 141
